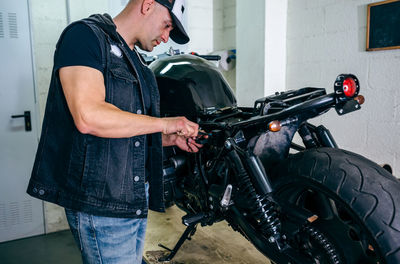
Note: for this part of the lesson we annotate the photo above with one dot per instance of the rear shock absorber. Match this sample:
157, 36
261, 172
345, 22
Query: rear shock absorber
270, 223
261, 208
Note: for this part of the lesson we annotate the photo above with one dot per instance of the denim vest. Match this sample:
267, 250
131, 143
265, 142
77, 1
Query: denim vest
100, 176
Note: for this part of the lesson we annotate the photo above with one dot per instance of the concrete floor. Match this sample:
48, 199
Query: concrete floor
216, 244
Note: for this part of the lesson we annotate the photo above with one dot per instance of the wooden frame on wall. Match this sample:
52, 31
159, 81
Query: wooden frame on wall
383, 25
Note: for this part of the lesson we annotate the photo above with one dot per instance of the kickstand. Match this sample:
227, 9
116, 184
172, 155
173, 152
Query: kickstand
190, 230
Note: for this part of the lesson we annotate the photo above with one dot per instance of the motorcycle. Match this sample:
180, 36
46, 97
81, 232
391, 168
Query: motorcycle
308, 202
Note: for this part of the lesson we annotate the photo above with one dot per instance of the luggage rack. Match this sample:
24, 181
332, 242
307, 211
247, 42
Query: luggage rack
281, 100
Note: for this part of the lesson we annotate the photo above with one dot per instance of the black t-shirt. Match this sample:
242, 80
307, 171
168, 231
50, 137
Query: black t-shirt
81, 47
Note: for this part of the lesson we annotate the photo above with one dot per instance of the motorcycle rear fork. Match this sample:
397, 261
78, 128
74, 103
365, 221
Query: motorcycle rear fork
259, 191
283, 254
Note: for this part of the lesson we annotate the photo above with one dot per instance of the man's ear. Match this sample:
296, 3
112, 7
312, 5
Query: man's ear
147, 6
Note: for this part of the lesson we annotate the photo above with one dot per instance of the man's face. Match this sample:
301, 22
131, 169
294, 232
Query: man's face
157, 29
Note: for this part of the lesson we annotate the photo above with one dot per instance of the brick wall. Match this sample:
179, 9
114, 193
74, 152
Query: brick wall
326, 38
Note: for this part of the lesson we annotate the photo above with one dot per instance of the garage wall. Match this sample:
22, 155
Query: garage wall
261, 49
275, 46
48, 18
328, 37
224, 33
200, 25
251, 49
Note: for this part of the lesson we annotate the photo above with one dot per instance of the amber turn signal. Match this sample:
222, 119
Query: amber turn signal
312, 218
360, 99
274, 126
371, 248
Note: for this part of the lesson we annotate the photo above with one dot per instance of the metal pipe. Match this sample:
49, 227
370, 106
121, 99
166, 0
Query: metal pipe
326, 137
262, 183
68, 9
318, 105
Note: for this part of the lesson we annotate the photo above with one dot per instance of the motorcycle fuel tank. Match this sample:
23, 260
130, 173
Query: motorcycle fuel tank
191, 86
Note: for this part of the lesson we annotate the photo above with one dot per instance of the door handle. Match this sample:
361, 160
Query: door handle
27, 118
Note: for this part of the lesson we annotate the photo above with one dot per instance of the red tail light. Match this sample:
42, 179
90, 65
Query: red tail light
346, 86
347, 98
349, 87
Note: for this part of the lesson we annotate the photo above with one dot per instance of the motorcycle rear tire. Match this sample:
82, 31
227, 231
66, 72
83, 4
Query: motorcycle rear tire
362, 200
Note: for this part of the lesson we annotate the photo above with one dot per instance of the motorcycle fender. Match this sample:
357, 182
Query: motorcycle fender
272, 147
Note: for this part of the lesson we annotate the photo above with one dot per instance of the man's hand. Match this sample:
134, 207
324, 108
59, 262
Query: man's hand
185, 144
181, 126
180, 132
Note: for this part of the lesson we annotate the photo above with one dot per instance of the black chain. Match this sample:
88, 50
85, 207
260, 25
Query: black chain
327, 246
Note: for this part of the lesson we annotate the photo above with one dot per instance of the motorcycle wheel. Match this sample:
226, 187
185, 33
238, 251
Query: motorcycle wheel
357, 203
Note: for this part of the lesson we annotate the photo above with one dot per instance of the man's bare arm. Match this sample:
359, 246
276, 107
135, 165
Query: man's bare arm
84, 91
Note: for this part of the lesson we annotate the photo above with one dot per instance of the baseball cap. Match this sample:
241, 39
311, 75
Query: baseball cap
176, 9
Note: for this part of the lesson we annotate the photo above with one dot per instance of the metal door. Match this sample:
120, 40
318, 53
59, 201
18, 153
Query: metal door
20, 215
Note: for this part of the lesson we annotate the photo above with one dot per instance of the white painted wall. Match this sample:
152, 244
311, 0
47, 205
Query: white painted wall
224, 30
48, 19
250, 47
275, 46
200, 24
261, 49
79, 9
224, 33
328, 37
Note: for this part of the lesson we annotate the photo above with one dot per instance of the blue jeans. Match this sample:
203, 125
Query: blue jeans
108, 240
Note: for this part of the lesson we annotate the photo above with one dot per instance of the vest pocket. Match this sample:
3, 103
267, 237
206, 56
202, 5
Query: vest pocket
123, 75
122, 89
94, 169
84, 164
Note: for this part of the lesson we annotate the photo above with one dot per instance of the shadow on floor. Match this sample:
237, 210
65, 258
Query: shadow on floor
57, 248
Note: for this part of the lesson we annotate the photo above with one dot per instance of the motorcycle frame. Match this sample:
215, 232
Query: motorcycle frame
309, 108
300, 106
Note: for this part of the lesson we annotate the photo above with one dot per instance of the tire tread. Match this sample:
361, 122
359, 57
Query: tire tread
371, 191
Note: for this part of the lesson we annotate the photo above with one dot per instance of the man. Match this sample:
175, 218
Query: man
100, 151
